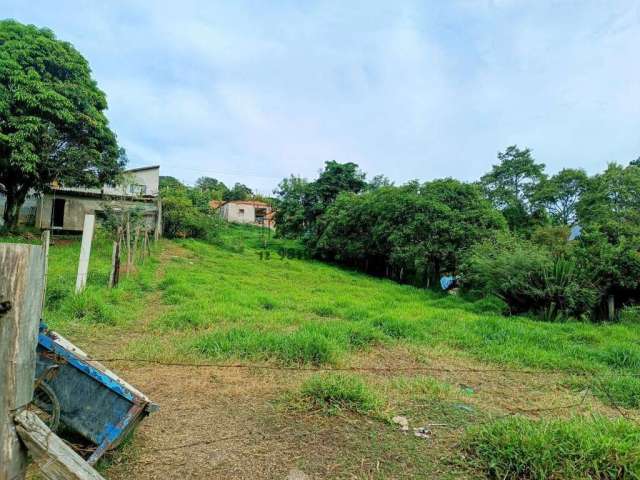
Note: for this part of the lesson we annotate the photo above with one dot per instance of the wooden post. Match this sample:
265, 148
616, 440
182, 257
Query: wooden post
22, 286
611, 307
85, 251
147, 242
158, 232
46, 241
135, 244
128, 243
115, 265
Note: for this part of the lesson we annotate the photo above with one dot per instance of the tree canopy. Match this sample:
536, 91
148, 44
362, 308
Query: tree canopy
511, 185
52, 117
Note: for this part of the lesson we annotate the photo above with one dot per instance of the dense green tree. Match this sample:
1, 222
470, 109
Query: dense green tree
379, 181
412, 233
336, 178
290, 200
301, 203
170, 182
52, 120
635, 163
560, 194
612, 196
215, 188
238, 192
511, 186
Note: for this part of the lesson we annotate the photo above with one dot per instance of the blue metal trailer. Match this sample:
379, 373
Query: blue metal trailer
93, 401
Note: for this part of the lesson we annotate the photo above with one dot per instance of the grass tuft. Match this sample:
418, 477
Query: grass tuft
578, 448
336, 392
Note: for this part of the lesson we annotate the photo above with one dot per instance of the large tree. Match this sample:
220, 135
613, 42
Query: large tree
302, 203
52, 120
239, 192
511, 185
561, 193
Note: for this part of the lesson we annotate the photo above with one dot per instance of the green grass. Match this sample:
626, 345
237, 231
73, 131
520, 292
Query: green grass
96, 306
224, 301
336, 392
231, 304
579, 448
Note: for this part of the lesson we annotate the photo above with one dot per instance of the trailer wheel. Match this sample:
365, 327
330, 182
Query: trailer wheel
46, 405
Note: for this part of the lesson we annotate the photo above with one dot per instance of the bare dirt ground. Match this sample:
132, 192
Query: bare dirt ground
234, 423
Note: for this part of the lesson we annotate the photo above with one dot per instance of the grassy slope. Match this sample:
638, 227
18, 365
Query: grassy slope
218, 302
232, 304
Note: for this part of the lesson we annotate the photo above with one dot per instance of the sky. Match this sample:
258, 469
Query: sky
253, 91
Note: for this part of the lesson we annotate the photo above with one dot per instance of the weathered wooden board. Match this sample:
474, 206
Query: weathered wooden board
22, 286
56, 460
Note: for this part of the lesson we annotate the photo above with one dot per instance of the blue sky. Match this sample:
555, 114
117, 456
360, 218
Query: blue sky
253, 91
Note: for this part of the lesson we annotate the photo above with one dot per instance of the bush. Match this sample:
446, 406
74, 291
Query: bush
334, 392
181, 219
579, 448
630, 314
528, 277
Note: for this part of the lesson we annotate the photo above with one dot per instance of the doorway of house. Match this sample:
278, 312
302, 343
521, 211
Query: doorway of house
57, 214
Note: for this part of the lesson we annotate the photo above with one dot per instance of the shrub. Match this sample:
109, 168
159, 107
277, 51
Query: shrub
334, 392
630, 314
181, 219
579, 448
528, 277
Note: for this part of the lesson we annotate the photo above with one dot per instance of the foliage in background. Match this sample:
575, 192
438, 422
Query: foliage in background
185, 214
412, 233
301, 203
511, 185
528, 277
575, 239
52, 118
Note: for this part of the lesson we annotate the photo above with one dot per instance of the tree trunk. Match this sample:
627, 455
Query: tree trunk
15, 199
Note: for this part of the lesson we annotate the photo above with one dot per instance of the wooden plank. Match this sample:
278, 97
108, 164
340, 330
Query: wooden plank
85, 251
56, 460
22, 284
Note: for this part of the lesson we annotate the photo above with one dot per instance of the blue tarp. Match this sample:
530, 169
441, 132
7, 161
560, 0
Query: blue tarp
447, 281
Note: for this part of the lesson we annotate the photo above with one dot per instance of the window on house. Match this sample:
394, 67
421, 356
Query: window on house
241, 211
137, 189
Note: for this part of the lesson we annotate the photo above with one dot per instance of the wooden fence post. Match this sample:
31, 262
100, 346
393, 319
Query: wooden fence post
134, 254
115, 265
21, 291
128, 243
46, 242
85, 251
158, 230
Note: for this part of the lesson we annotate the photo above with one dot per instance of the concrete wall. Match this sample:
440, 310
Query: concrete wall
148, 179
75, 209
238, 213
28, 212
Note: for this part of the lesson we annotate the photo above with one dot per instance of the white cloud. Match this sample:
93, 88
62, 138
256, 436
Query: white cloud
412, 90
